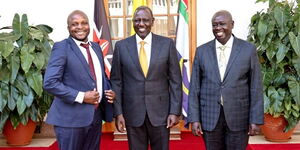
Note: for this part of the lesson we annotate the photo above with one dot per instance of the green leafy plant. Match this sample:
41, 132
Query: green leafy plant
276, 33
24, 52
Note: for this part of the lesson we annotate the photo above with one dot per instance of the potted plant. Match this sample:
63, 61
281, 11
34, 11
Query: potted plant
24, 52
276, 33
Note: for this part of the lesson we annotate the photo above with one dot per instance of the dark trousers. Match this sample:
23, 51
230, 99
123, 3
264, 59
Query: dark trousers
222, 138
140, 137
80, 138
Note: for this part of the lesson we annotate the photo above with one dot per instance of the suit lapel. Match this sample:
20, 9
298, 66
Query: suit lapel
133, 52
80, 56
213, 57
154, 51
234, 53
100, 56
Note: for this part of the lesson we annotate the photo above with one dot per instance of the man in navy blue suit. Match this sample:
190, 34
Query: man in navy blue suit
75, 76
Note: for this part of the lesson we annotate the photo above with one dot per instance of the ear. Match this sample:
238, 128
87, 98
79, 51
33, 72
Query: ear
153, 19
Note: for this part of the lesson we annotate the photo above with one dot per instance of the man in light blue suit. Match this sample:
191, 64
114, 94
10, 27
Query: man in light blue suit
75, 76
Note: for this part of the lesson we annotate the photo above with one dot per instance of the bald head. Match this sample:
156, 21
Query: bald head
222, 25
224, 13
76, 12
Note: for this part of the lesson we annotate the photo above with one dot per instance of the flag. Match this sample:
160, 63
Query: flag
136, 4
101, 34
182, 45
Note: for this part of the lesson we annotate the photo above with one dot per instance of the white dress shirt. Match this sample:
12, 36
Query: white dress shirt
147, 46
227, 54
97, 66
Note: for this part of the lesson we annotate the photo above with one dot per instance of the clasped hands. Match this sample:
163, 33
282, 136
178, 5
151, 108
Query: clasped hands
92, 97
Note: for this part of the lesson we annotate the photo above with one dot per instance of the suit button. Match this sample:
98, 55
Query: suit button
222, 87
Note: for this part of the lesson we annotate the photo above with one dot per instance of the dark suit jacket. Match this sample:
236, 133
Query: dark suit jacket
68, 73
241, 88
157, 95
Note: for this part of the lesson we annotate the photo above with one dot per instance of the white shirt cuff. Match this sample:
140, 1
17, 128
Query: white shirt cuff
79, 97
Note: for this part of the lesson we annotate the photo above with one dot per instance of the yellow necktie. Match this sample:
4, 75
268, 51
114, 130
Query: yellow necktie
143, 58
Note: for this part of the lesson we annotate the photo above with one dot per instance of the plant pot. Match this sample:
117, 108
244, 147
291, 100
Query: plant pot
273, 129
20, 136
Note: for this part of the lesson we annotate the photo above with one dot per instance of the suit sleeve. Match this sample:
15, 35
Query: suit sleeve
54, 73
256, 95
116, 80
194, 91
175, 81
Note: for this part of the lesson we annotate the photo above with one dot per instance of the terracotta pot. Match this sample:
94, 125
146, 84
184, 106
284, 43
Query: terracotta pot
273, 129
22, 135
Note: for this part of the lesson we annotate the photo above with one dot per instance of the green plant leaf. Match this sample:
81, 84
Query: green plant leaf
33, 113
4, 74
16, 24
281, 20
295, 41
294, 87
0, 60
3, 117
282, 50
21, 106
35, 81
24, 26
14, 67
9, 36
28, 99
39, 61
21, 84
6, 48
11, 103
262, 29
296, 63
36, 34
45, 28
26, 58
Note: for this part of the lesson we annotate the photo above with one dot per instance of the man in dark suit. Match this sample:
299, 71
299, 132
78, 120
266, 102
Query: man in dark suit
75, 76
146, 78
225, 99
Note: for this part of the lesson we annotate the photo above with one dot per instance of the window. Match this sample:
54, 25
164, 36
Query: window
120, 16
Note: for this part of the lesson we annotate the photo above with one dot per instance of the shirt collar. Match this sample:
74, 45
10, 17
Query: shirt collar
79, 42
228, 43
147, 39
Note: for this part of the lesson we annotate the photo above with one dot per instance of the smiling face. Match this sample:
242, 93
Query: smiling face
222, 25
142, 22
78, 26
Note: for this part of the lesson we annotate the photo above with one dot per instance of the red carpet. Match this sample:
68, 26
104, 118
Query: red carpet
188, 142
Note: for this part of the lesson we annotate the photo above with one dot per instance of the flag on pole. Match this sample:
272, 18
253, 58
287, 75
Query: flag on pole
101, 34
136, 4
182, 45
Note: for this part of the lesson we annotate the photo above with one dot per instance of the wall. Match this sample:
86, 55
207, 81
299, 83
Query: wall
55, 12
241, 10
51, 12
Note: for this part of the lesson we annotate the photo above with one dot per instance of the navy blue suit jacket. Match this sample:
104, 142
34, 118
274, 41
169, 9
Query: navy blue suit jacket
68, 73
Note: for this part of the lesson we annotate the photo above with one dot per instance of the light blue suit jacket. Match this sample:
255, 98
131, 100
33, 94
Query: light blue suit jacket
68, 73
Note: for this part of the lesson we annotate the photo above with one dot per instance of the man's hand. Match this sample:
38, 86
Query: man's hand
91, 97
254, 129
120, 123
172, 121
110, 95
196, 129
